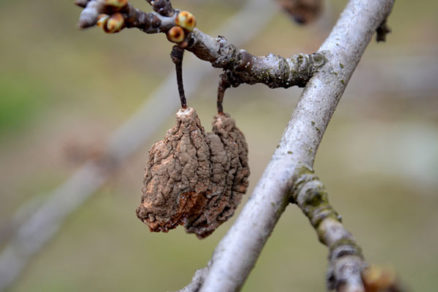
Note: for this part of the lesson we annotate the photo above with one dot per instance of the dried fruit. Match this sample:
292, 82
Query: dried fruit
193, 178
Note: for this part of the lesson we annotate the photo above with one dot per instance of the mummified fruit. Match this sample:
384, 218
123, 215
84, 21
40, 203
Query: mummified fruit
193, 178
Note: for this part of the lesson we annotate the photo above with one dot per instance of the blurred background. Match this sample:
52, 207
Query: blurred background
63, 92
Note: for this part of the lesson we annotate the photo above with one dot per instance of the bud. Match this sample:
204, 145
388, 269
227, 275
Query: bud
114, 23
176, 34
377, 278
102, 19
186, 20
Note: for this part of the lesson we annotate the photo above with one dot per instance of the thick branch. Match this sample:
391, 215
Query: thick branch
238, 251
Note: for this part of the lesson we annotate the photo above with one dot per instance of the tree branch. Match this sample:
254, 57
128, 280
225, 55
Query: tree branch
236, 254
243, 67
345, 256
239, 65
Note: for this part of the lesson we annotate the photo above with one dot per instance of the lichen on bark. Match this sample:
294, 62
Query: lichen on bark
194, 178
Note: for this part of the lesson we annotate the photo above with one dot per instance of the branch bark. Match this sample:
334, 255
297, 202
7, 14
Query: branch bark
236, 254
239, 65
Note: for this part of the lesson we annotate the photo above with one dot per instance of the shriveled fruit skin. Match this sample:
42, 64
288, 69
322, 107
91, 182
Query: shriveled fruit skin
193, 178
229, 175
177, 175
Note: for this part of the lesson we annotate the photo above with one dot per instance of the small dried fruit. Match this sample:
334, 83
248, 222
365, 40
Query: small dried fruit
193, 178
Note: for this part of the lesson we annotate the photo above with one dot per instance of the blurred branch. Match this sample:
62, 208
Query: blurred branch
8, 228
239, 65
236, 254
41, 225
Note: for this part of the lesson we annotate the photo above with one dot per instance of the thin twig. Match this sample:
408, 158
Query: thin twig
224, 84
177, 56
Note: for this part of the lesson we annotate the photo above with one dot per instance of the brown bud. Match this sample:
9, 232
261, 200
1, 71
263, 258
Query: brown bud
193, 178
102, 19
114, 23
379, 279
176, 34
186, 20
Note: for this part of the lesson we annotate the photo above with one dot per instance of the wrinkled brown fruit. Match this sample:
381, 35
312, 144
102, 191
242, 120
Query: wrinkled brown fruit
193, 178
